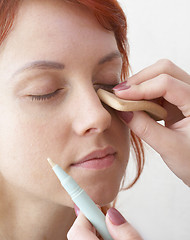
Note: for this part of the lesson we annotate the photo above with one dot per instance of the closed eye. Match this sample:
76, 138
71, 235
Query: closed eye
44, 96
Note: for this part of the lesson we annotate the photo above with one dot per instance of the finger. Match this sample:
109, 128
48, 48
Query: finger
82, 229
171, 145
163, 66
119, 228
171, 89
160, 138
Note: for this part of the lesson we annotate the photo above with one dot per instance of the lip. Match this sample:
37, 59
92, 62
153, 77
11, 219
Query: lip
98, 159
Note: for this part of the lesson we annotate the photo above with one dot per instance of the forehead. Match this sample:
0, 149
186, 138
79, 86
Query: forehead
51, 29
62, 15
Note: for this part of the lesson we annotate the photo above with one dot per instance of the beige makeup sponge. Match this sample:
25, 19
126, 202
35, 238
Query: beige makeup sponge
154, 110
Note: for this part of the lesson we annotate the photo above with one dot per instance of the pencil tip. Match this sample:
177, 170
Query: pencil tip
51, 162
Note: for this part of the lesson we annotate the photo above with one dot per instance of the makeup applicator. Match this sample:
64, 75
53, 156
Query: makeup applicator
82, 200
154, 110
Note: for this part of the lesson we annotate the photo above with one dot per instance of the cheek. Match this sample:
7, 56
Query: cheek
24, 148
121, 138
32, 136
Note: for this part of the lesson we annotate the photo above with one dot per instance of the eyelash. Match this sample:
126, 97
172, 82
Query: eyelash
45, 96
53, 94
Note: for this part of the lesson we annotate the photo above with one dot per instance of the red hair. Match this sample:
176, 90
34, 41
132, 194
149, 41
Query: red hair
111, 16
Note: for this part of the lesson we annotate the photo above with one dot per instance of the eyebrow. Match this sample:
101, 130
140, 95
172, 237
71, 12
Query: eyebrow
51, 65
41, 64
111, 56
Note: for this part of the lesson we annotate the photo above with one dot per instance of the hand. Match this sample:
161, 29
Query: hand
118, 227
170, 86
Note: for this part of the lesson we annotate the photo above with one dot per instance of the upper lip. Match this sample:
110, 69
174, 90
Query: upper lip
97, 154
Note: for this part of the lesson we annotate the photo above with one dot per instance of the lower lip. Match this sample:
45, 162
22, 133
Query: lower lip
97, 163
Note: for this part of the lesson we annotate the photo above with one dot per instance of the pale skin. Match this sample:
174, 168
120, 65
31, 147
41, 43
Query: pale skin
64, 127
169, 83
170, 86
51, 64
83, 230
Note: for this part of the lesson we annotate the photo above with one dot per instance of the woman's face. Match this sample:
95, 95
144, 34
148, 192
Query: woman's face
51, 64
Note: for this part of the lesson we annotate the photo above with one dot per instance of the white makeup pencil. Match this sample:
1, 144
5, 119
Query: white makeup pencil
82, 200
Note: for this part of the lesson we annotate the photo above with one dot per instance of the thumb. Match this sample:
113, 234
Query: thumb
119, 228
157, 136
81, 229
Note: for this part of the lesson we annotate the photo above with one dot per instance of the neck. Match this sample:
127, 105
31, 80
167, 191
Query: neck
24, 217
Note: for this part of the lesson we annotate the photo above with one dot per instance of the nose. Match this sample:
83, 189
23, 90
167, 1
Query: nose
90, 116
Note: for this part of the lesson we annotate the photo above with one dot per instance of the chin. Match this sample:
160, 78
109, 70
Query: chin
103, 196
102, 199
105, 200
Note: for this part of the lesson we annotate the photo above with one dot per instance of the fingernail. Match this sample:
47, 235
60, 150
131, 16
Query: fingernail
126, 116
77, 210
121, 86
115, 217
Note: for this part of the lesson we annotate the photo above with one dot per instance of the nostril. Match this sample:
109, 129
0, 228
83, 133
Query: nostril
91, 130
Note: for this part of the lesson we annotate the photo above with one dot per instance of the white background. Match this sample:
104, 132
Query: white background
159, 204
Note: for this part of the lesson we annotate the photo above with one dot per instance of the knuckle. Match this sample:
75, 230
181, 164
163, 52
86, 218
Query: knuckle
144, 130
165, 79
165, 65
